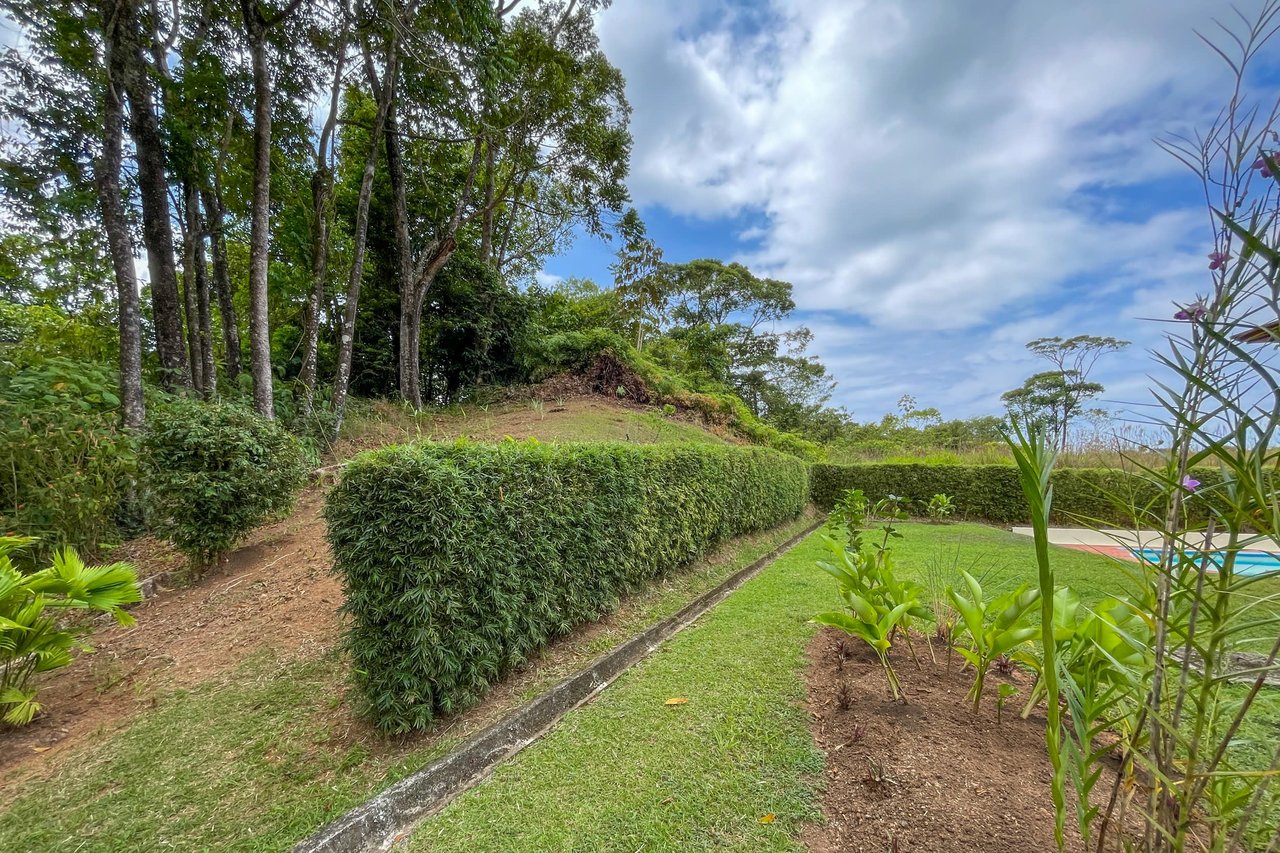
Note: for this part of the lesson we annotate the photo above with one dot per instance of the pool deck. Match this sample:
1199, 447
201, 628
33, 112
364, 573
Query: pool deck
1114, 542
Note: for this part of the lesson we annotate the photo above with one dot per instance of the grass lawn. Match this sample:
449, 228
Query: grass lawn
629, 772
261, 758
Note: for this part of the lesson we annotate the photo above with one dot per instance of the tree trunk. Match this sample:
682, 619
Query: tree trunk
116, 226
259, 219
486, 222
321, 191
410, 380
195, 358
342, 376
153, 191
215, 214
321, 188
203, 329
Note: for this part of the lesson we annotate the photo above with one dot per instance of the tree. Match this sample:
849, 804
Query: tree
383, 91
638, 278
257, 22
119, 239
1053, 398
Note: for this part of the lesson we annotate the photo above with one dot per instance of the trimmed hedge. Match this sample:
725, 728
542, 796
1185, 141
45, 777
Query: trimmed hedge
462, 560
992, 492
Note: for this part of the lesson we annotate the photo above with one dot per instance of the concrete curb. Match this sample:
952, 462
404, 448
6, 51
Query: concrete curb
388, 818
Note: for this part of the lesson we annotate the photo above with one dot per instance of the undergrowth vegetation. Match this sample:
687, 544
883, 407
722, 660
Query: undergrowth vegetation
461, 560
215, 471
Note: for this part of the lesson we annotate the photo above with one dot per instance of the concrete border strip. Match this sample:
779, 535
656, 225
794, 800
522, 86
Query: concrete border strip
386, 819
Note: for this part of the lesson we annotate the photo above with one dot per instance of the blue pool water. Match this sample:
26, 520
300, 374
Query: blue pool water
1247, 562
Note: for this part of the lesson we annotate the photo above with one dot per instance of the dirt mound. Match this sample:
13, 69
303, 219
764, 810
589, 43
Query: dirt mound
609, 376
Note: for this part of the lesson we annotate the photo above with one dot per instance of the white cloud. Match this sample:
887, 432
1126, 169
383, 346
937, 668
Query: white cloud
945, 179
546, 279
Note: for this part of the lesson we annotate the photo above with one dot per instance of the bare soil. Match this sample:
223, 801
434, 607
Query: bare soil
927, 775
275, 590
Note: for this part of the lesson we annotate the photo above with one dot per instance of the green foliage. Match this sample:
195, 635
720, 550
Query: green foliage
214, 471
65, 465
940, 507
991, 628
878, 606
572, 351
993, 493
32, 639
460, 561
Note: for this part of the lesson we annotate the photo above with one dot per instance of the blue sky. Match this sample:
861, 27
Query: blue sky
940, 181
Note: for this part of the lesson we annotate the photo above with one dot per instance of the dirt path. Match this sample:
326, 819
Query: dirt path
275, 590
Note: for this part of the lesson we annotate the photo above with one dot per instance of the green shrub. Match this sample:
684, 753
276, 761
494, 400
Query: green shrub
574, 352
213, 472
461, 560
65, 465
993, 493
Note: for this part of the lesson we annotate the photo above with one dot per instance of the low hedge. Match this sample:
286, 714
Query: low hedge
461, 560
993, 493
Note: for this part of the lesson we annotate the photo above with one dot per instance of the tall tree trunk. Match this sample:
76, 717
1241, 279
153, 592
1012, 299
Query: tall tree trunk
410, 380
413, 291
259, 218
202, 330
321, 188
195, 359
215, 214
153, 190
486, 222
321, 210
342, 376
119, 240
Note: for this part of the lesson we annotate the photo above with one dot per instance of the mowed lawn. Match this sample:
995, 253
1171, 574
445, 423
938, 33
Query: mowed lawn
734, 767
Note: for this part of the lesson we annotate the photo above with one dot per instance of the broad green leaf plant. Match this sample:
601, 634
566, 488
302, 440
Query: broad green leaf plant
879, 606
990, 628
33, 636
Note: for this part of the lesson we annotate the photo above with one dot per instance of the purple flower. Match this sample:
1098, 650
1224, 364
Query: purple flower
1195, 311
1264, 169
1190, 483
1218, 260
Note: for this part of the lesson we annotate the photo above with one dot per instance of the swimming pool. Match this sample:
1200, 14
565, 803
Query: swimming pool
1247, 562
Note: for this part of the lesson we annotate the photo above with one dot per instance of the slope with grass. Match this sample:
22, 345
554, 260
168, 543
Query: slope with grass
225, 719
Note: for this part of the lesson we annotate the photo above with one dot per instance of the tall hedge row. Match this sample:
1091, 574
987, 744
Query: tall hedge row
462, 560
992, 492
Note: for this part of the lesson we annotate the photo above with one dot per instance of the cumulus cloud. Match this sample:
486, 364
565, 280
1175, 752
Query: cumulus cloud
940, 180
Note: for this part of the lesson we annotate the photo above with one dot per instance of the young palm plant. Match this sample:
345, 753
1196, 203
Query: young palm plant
31, 638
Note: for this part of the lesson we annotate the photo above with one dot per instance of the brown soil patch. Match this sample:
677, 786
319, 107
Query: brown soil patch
276, 591
928, 775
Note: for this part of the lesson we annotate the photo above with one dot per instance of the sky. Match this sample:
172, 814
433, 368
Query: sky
941, 181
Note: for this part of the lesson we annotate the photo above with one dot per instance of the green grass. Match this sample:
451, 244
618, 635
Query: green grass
629, 772
383, 423
259, 759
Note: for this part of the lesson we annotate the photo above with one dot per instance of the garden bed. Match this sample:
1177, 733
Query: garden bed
927, 775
